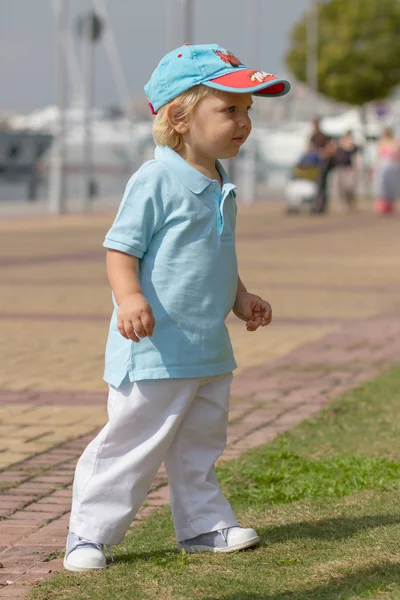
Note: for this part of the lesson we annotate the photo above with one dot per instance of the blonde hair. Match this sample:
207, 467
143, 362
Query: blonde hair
163, 132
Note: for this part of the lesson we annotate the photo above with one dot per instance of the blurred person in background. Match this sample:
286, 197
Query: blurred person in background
346, 171
303, 185
318, 139
326, 148
387, 173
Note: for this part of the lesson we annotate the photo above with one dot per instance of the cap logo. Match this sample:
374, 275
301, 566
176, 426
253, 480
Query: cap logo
229, 58
260, 76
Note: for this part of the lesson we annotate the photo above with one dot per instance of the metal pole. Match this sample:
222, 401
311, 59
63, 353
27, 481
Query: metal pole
187, 7
57, 171
87, 142
249, 159
170, 31
312, 46
72, 64
111, 48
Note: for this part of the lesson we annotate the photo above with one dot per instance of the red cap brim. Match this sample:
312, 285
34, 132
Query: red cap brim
248, 80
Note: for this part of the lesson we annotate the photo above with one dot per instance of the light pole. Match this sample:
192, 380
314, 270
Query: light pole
250, 157
184, 33
170, 31
87, 108
111, 49
56, 198
187, 8
312, 46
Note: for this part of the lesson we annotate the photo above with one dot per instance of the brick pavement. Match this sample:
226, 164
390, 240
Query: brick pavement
336, 299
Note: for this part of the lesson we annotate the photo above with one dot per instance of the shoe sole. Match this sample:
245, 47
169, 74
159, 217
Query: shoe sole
74, 569
235, 548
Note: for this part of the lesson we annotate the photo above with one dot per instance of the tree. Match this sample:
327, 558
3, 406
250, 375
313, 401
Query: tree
358, 49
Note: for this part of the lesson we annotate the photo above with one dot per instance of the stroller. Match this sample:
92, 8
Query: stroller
302, 188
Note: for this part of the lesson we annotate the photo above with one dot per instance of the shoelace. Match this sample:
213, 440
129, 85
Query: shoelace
224, 533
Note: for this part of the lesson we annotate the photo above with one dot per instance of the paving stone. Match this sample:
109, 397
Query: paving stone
55, 480
18, 565
11, 476
8, 502
53, 500
11, 526
32, 488
11, 497
12, 592
52, 509
32, 516
65, 493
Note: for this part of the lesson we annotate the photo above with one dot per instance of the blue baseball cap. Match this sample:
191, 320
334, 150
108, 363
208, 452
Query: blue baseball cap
210, 65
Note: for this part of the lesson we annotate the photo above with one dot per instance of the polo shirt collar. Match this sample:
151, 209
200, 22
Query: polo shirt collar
190, 177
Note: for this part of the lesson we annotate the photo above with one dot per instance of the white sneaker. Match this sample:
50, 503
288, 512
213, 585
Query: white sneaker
84, 555
230, 539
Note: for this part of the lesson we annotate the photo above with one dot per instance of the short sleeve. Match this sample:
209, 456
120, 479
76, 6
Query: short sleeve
138, 216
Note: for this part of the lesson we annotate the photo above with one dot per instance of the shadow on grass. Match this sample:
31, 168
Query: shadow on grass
379, 578
323, 529
326, 529
151, 554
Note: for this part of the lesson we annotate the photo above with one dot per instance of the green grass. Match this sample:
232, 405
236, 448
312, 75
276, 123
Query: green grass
324, 499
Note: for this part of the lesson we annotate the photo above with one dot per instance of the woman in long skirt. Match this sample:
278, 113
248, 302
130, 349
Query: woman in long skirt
387, 173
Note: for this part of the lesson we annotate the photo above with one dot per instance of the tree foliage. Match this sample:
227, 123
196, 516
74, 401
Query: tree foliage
358, 49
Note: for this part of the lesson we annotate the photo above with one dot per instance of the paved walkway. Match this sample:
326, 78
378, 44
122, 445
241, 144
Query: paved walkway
333, 283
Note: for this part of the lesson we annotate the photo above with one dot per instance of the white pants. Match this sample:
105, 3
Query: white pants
182, 422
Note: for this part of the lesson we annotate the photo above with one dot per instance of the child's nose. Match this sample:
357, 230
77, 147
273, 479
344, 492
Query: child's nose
244, 120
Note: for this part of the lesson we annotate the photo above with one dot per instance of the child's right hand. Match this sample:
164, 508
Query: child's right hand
135, 318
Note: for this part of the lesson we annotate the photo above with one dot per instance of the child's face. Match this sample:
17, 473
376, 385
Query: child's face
220, 124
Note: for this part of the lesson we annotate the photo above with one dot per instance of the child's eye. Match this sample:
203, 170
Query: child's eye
231, 109
249, 108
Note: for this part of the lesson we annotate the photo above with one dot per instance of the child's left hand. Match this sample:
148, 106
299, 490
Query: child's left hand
252, 309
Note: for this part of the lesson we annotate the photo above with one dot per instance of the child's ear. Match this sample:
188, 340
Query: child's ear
177, 120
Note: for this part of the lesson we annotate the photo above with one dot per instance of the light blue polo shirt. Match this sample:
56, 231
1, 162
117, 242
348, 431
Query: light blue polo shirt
181, 226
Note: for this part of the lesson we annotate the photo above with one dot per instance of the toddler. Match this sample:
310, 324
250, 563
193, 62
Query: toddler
172, 267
